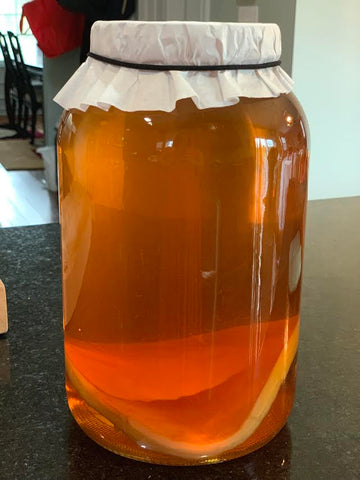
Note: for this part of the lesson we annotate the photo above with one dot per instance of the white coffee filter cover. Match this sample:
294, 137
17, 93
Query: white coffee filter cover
176, 43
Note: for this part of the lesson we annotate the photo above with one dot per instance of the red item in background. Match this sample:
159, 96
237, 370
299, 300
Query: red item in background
56, 30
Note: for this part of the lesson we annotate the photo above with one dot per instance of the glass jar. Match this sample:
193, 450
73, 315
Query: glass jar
182, 248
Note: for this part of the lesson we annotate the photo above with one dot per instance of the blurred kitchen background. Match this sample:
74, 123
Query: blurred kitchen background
321, 45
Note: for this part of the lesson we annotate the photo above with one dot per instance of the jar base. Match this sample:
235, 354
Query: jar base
105, 434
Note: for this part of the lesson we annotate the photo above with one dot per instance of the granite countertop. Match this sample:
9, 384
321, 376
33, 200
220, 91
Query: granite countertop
39, 440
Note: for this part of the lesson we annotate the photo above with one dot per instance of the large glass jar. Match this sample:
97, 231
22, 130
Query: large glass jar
182, 247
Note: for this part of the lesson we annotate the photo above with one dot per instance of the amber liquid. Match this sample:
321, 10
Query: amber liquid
182, 238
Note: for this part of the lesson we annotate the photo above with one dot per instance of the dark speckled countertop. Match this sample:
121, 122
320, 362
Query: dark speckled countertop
40, 441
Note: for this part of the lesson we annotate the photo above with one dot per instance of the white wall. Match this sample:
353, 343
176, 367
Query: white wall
160, 10
281, 12
326, 69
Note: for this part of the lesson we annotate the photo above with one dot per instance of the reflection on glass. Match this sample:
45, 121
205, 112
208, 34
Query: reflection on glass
272, 462
289, 120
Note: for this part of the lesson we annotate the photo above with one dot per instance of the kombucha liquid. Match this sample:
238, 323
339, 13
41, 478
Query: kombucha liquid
182, 241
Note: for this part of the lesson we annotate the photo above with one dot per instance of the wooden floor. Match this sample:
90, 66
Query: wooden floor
24, 200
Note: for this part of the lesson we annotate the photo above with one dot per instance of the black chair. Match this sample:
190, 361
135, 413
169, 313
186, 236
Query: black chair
12, 88
30, 90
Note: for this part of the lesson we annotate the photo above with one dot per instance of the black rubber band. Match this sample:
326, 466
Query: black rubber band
181, 68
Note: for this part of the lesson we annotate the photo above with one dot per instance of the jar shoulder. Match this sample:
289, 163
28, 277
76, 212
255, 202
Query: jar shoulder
270, 118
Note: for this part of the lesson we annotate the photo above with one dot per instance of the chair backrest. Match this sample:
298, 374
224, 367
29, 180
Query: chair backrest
6, 54
19, 60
